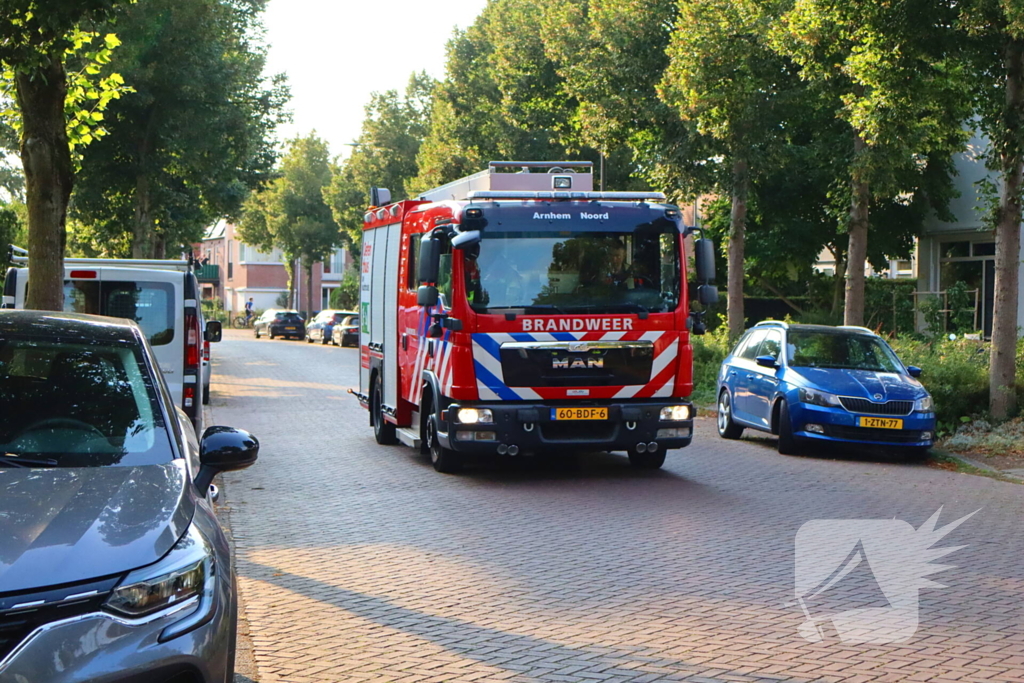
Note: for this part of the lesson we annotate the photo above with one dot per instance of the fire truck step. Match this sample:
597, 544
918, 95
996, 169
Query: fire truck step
408, 436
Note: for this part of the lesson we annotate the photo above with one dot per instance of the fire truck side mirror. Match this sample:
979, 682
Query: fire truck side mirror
429, 261
426, 295
707, 294
379, 196
704, 260
465, 240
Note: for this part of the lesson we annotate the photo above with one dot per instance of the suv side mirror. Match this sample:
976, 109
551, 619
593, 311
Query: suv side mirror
914, 371
224, 449
214, 331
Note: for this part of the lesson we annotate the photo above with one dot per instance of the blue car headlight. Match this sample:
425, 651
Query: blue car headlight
924, 405
819, 398
180, 576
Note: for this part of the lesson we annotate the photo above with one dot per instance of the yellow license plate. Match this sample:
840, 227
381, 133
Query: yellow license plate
579, 413
289, 329
881, 422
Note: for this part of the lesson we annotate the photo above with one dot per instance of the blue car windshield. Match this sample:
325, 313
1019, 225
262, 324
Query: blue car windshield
815, 349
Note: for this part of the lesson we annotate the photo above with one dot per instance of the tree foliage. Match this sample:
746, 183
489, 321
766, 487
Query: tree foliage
383, 156
195, 136
35, 38
290, 212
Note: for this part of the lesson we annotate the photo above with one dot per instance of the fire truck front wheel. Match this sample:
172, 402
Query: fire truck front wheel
383, 430
443, 459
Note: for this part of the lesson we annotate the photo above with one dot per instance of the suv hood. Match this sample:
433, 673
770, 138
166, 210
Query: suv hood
75, 524
888, 386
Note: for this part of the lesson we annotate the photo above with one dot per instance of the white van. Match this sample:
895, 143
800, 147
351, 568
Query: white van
161, 296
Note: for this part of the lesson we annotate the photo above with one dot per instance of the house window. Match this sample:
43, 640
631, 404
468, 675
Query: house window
974, 264
231, 263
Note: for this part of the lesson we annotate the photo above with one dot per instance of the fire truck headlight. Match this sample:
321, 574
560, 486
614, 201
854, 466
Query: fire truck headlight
675, 413
472, 416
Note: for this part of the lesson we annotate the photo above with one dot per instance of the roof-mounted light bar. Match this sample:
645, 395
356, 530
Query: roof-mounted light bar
541, 164
568, 196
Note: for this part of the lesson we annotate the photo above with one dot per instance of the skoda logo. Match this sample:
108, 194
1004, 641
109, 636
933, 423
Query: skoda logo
878, 397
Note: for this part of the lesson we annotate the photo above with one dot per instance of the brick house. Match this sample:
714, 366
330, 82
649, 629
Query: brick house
237, 271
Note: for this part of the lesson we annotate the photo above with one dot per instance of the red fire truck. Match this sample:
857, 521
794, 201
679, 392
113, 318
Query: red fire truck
517, 311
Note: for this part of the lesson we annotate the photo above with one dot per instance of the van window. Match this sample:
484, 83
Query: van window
150, 304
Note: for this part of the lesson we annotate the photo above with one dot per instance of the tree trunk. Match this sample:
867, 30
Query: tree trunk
1003, 371
142, 232
46, 158
289, 266
857, 252
309, 288
737, 229
839, 281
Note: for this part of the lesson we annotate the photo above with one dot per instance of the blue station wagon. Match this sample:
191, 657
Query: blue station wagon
815, 383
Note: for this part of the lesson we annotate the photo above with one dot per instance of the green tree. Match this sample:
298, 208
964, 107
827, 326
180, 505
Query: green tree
36, 38
993, 35
503, 98
383, 156
725, 79
290, 212
891, 70
195, 137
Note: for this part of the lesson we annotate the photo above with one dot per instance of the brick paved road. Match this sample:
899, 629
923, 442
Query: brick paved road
360, 563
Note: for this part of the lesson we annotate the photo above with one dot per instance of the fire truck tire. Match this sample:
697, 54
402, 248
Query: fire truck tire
383, 430
647, 461
443, 459
727, 429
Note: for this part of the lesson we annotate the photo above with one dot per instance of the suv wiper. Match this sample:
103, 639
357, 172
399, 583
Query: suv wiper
11, 459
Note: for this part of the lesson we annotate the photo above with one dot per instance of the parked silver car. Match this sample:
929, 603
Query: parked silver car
112, 564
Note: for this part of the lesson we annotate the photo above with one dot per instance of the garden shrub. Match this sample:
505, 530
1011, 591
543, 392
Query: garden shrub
709, 350
955, 373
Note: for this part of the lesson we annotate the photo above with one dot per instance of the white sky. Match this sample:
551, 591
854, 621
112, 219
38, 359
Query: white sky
337, 52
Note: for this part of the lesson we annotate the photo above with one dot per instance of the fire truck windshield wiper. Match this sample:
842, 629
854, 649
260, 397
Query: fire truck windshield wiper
12, 459
533, 308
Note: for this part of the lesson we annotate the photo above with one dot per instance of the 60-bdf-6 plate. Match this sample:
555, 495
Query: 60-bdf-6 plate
579, 413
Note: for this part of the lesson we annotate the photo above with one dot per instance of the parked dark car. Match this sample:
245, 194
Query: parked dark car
112, 564
820, 384
278, 323
346, 333
320, 328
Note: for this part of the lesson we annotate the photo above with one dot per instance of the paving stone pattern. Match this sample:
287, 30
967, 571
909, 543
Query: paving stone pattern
358, 562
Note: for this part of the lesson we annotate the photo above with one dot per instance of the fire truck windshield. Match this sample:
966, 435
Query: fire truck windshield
574, 272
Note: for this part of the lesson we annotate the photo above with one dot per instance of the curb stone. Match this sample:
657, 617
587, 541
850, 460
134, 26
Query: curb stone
245, 660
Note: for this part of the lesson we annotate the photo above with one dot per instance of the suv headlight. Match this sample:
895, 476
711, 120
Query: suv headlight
924, 405
819, 398
178, 577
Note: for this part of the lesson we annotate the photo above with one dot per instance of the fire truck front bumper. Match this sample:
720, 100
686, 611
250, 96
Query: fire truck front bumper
527, 428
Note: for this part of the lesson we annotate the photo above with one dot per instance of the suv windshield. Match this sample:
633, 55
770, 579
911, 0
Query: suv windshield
598, 272
78, 405
840, 350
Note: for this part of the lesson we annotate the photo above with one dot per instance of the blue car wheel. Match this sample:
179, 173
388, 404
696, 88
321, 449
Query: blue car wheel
727, 429
787, 442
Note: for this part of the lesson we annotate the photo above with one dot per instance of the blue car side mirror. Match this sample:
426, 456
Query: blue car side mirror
767, 361
914, 371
